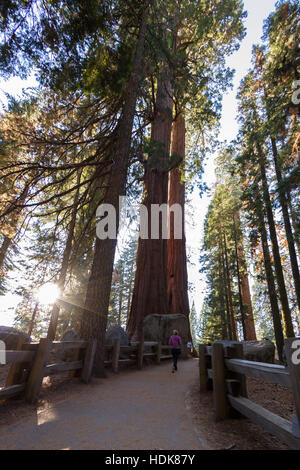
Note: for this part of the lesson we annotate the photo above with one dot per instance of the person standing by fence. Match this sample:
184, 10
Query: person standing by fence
175, 342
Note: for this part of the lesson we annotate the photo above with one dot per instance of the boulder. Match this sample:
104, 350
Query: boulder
67, 355
257, 351
11, 336
160, 328
70, 336
117, 332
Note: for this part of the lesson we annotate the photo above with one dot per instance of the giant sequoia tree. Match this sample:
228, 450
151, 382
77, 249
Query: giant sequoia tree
186, 76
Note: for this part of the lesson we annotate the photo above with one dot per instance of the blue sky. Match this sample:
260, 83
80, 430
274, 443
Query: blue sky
258, 10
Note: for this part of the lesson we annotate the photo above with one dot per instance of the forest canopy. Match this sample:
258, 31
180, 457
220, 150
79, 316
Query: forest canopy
128, 102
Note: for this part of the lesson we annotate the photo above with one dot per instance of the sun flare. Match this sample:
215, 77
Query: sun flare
47, 294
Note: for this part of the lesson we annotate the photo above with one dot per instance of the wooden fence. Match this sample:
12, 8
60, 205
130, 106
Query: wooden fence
223, 370
136, 354
31, 362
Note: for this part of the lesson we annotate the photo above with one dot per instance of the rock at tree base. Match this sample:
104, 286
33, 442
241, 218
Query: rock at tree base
70, 336
11, 336
257, 351
69, 354
160, 328
117, 332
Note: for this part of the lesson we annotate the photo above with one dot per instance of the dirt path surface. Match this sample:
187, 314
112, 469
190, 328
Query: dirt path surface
146, 409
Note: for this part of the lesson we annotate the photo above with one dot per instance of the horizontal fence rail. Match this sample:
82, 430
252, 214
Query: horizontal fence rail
269, 372
223, 370
31, 362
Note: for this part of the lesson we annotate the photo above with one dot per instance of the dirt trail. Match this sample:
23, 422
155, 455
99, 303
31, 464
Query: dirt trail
134, 410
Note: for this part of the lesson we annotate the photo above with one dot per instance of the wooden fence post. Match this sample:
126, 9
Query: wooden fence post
239, 354
37, 371
88, 361
222, 408
116, 355
202, 368
140, 354
15, 373
292, 352
158, 352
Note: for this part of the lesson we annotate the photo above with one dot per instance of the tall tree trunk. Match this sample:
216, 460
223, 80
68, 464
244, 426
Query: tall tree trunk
240, 289
94, 321
295, 220
288, 324
244, 288
270, 277
33, 318
229, 292
3, 250
130, 290
64, 265
66, 323
150, 293
287, 222
7, 241
229, 326
120, 304
222, 296
177, 261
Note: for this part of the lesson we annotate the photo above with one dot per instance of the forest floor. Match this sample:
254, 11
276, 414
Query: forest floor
149, 409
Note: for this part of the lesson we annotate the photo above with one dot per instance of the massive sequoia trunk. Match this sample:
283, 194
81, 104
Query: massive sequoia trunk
150, 285
177, 263
94, 320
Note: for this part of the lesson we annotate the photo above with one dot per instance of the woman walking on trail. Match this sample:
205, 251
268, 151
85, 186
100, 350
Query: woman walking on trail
175, 342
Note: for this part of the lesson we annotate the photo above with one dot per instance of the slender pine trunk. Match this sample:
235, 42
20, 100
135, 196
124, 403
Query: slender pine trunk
278, 331
244, 288
33, 319
4, 249
287, 222
229, 325
288, 324
64, 265
229, 292
222, 297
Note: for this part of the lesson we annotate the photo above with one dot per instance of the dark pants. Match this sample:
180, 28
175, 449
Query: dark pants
175, 354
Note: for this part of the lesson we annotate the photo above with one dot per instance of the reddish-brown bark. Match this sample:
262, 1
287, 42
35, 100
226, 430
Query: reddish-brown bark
177, 263
150, 285
229, 293
244, 288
